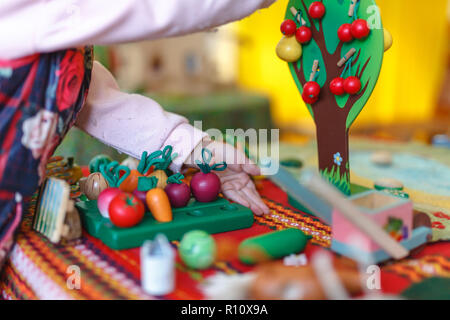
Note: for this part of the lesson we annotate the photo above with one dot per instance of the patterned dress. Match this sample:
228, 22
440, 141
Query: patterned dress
40, 97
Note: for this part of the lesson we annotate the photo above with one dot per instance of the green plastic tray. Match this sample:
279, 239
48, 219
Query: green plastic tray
214, 217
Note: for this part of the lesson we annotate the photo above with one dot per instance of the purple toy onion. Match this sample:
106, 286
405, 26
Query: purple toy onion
104, 199
141, 196
179, 194
205, 185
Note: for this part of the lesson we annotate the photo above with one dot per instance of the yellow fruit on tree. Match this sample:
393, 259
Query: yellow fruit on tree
288, 49
387, 40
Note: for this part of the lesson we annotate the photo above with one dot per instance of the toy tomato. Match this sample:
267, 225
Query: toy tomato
337, 86
126, 210
352, 85
205, 185
316, 10
288, 27
303, 35
345, 32
360, 29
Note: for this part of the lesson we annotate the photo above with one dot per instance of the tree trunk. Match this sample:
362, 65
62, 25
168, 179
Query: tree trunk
332, 143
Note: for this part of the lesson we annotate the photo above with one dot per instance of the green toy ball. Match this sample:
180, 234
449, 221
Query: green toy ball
94, 164
197, 249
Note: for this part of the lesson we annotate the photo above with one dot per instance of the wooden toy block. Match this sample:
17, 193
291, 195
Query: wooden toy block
393, 214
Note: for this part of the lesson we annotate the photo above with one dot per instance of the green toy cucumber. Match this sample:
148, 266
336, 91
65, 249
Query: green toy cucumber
272, 246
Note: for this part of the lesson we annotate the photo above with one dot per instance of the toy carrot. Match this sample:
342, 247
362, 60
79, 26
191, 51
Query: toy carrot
147, 161
156, 198
161, 167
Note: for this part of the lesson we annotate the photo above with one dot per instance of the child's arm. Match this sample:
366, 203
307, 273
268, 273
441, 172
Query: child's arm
132, 123
32, 26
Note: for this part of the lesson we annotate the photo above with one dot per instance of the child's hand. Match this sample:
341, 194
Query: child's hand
236, 183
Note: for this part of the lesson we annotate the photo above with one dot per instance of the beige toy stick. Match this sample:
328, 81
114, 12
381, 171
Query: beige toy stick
314, 70
347, 56
351, 10
350, 211
295, 12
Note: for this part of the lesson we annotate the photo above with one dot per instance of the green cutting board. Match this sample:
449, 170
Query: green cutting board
213, 217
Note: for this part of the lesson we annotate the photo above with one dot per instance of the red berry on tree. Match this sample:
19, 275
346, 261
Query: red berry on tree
311, 91
288, 27
316, 10
303, 35
308, 99
360, 29
337, 86
345, 32
352, 85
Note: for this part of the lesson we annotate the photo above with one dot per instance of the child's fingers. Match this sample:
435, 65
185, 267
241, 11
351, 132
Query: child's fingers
253, 195
236, 197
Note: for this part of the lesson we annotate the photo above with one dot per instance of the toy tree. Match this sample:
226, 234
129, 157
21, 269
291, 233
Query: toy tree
335, 59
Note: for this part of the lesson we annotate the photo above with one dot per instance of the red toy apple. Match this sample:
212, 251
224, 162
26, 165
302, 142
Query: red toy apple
316, 10
303, 35
178, 192
337, 86
360, 29
288, 27
311, 91
345, 32
352, 85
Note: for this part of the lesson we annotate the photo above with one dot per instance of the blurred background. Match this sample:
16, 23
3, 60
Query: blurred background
232, 78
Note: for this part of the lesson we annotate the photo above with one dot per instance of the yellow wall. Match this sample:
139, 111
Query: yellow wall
410, 79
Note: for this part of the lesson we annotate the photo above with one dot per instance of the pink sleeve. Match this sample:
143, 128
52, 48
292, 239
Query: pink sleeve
132, 123
49, 25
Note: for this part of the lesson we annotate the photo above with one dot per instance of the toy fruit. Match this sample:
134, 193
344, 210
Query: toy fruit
288, 49
147, 161
288, 27
161, 167
303, 35
360, 29
141, 195
311, 92
345, 32
126, 210
197, 249
205, 185
111, 173
316, 10
178, 192
94, 164
352, 85
337, 86
387, 40
94, 185
156, 199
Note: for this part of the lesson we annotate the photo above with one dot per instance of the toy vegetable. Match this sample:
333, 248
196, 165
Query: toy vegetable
147, 161
157, 200
178, 192
97, 161
161, 167
111, 173
93, 185
126, 210
205, 185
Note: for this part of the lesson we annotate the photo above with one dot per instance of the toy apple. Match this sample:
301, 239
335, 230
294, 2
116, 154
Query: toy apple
288, 27
360, 29
352, 85
345, 32
288, 49
337, 86
311, 89
205, 185
316, 10
303, 35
